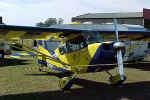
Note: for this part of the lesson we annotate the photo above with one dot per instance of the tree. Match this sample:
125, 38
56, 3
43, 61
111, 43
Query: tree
49, 22
40, 24
60, 21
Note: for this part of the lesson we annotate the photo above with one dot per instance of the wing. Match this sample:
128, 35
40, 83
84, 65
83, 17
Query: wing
29, 32
107, 31
130, 32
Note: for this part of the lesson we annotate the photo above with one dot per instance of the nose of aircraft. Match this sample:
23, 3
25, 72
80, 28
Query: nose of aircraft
105, 54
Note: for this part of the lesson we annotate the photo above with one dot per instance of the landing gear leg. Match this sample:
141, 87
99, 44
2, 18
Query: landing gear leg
66, 83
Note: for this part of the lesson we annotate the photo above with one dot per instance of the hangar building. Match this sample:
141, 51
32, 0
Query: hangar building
136, 18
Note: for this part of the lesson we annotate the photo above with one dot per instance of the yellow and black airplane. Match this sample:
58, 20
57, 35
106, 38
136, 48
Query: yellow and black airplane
82, 48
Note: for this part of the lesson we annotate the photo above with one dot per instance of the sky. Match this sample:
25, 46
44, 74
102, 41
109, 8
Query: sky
30, 12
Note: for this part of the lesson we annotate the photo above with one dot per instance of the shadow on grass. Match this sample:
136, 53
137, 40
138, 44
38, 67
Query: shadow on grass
140, 65
12, 62
90, 91
59, 75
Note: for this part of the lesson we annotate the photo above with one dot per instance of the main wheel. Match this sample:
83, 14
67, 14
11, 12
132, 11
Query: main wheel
116, 81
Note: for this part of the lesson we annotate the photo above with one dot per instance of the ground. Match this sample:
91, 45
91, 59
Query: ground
21, 80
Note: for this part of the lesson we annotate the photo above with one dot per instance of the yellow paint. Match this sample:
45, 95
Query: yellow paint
17, 57
12, 34
76, 23
79, 57
42, 57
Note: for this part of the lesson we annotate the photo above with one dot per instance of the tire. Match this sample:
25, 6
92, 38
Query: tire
118, 83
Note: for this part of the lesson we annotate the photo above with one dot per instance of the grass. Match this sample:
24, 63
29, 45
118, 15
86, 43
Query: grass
21, 80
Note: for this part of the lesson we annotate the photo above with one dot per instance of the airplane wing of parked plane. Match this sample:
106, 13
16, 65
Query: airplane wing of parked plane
107, 31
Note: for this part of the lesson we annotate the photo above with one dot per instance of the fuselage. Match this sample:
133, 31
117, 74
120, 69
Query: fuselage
82, 54
81, 57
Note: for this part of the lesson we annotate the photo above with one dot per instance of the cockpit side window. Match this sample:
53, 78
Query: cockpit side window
92, 37
73, 45
63, 49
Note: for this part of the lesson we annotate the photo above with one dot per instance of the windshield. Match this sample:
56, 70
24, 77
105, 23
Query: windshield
73, 45
49, 44
92, 37
52, 45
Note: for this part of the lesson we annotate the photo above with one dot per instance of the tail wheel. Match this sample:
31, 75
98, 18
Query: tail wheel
116, 80
65, 83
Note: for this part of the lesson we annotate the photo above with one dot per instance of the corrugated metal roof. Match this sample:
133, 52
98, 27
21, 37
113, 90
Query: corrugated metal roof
111, 15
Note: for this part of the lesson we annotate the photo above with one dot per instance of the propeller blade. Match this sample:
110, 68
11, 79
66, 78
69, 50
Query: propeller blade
116, 29
118, 45
120, 64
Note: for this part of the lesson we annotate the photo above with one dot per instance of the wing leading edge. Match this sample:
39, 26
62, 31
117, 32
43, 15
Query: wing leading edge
131, 32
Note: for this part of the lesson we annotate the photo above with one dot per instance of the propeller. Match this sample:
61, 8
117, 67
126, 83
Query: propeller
118, 46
